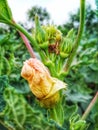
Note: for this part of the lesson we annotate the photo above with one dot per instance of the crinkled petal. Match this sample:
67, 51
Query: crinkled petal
58, 85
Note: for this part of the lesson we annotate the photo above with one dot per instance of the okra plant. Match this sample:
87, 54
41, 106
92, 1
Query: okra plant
45, 76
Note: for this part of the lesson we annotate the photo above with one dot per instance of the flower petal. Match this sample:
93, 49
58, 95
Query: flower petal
58, 85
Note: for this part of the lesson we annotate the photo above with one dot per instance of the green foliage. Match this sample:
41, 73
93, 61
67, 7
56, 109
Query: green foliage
83, 77
5, 12
13, 53
54, 49
73, 120
12, 45
41, 12
3, 84
77, 124
18, 114
96, 1
67, 45
91, 23
40, 35
18, 109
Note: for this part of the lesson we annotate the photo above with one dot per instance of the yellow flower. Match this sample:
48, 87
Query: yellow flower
42, 85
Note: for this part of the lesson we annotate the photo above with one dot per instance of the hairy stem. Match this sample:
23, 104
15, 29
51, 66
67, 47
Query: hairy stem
79, 35
29, 37
27, 45
90, 106
25, 35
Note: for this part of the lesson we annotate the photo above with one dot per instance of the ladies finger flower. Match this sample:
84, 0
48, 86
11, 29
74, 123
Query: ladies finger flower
42, 85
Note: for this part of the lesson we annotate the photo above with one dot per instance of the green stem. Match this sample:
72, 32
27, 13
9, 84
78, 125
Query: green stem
79, 35
24, 34
57, 113
90, 106
21, 29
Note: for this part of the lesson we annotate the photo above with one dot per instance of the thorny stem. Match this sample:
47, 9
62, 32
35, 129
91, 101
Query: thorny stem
90, 106
78, 38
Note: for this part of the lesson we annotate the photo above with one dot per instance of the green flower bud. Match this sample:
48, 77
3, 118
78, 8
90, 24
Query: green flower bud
67, 44
53, 33
40, 34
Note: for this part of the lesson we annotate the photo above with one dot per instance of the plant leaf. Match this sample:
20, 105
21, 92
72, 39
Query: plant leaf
3, 84
5, 12
19, 115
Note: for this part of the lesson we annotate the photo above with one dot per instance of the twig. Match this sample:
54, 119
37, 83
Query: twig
90, 106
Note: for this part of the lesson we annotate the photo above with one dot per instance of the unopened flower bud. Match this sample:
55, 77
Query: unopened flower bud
42, 85
40, 33
67, 44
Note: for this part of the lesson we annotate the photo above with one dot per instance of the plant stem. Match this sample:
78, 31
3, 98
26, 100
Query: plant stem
57, 113
79, 35
27, 45
25, 35
30, 38
90, 106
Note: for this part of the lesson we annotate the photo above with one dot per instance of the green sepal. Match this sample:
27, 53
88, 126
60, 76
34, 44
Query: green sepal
70, 33
57, 113
76, 123
44, 45
40, 33
62, 75
64, 55
67, 43
49, 63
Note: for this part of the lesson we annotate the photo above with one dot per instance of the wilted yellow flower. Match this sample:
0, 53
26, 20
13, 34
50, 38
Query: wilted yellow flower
42, 85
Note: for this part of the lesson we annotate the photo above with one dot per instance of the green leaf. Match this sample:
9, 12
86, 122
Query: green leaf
69, 111
19, 115
3, 38
3, 84
94, 66
91, 76
5, 12
78, 97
